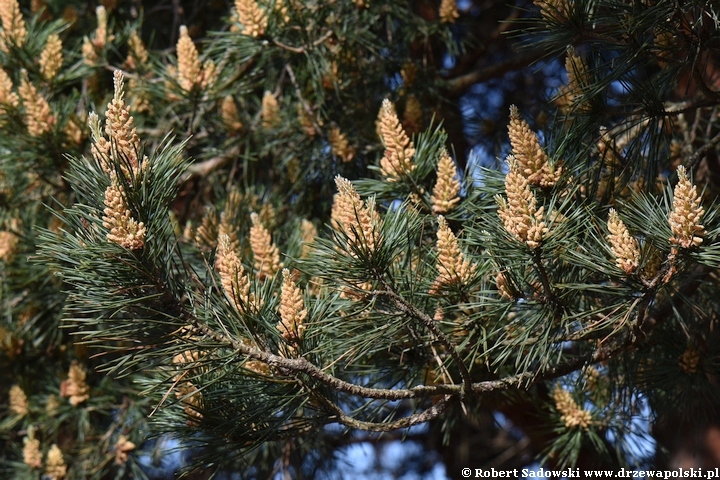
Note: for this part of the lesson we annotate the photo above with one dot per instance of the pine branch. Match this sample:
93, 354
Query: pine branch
429, 323
544, 278
206, 167
426, 415
302, 365
471, 59
304, 49
698, 77
699, 154
455, 87
306, 107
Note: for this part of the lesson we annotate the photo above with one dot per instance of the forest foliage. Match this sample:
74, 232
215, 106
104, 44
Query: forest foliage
272, 235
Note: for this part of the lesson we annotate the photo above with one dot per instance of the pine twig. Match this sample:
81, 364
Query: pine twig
426, 415
414, 312
458, 85
697, 157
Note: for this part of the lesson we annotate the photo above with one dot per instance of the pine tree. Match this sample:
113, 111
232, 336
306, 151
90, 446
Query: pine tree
273, 234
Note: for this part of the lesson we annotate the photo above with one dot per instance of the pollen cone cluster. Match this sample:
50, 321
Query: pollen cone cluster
38, 116
399, 149
359, 220
8, 245
100, 148
452, 267
14, 31
101, 32
51, 58
232, 275
7, 96
230, 115
282, 12
266, 256
690, 359
592, 379
571, 413
624, 246
686, 213
663, 47
532, 161
413, 115
577, 69
504, 287
123, 146
122, 142
123, 229
119, 125
90, 56
553, 10
32, 456
340, 146
51, 405
8, 242
55, 468
254, 20
519, 213
448, 11
188, 394
18, 401
308, 232
191, 72
292, 310
191, 400
227, 228
92, 47
75, 386
577, 73
138, 54
446, 193
270, 111
306, 121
